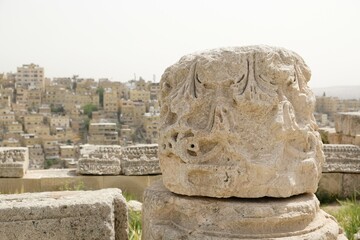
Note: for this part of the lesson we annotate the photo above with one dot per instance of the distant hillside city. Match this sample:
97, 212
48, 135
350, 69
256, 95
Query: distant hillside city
54, 117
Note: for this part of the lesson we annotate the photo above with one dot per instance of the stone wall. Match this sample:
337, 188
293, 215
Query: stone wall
64, 215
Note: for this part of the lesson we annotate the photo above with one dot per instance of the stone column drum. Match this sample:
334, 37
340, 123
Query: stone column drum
238, 149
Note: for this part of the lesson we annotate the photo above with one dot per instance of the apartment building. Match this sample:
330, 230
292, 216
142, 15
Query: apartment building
6, 116
132, 112
32, 120
103, 134
110, 100
139, 95
30, 76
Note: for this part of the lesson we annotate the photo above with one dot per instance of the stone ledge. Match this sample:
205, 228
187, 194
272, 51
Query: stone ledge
64, 215
173, 216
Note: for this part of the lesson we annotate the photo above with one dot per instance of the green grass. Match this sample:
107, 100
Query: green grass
135, 227
347, 214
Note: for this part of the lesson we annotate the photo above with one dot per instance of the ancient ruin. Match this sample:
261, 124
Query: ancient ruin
342, 158
114, 160
238, 122
14, 161
140, 160
102, 165
98, 214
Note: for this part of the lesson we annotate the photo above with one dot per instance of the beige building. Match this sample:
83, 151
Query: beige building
51, 148
132, 112
110, 100
6, 117
33, 120
34, 98
29, 139
30, 76
55, 95
67, 151
154, 90
103, 134
10, 142
42, 130
139, 95
14, 127
5, 101
151, 126
59, 122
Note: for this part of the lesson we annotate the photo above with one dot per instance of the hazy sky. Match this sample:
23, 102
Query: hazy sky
117, 39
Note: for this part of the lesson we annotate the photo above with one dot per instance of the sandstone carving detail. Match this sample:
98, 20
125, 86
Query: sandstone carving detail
342, 158
139, 159
238, 122
14, 161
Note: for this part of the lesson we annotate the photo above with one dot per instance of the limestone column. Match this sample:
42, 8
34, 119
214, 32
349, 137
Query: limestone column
238, 149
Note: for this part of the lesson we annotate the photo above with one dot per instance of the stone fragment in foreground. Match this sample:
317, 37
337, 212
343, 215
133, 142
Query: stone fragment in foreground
14, 161
172, 216
239, 122
99, 166
64, 215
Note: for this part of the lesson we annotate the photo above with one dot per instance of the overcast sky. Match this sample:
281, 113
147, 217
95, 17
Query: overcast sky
117, 39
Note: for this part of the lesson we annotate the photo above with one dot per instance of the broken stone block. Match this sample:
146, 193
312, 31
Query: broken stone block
64, 215
344, 158
239, 122
99, 166
14, 161
140, 159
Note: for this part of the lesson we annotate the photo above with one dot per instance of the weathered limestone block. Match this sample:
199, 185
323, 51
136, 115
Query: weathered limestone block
239, 122
140, 160
170, 216
14, 161
342, 158
348, 123
99, 166
65, 215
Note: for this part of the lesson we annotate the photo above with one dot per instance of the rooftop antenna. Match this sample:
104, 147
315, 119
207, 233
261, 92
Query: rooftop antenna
154, 78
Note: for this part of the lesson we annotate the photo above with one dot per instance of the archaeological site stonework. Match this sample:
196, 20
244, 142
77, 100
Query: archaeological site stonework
237, 127
64, 215
14, 161
139, 159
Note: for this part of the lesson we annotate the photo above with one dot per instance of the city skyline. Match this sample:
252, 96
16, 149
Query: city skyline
119, 40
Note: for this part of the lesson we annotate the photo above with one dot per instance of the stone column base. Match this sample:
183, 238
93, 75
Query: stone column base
171, 216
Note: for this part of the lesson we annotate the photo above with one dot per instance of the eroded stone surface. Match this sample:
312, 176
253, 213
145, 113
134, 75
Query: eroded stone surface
99, 166
171, 216
239, 122
65, 215
14, 161
342, 158
140, 160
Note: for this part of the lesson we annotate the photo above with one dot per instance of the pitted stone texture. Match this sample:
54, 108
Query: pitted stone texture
99, 166
14, 161
140, 159
170, 216
342, 158
239, 122
64, 215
